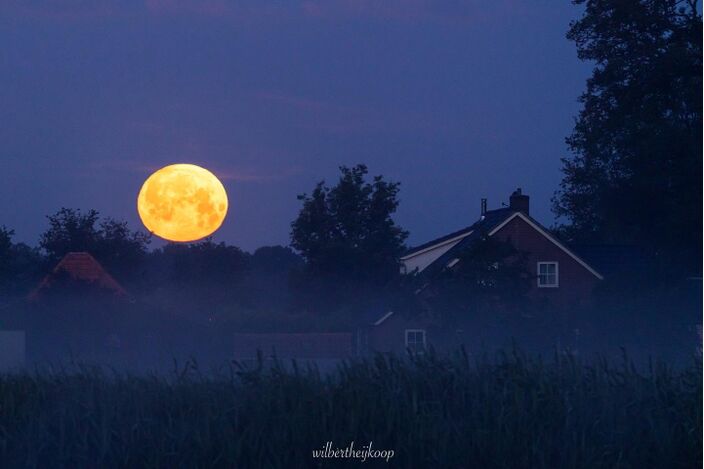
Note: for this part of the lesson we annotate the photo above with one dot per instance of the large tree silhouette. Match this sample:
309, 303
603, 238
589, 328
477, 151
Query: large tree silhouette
635, 170
346, 233
20, 265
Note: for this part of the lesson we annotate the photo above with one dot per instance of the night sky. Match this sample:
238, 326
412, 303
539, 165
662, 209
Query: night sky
456, 100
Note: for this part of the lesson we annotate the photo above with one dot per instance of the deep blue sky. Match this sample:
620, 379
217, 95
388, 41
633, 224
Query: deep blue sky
456, 100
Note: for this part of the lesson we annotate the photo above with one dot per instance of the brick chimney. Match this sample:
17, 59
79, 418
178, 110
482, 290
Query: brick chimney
519, 202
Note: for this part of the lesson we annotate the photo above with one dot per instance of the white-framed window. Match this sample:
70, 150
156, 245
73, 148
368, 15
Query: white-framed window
548, 275
415, 340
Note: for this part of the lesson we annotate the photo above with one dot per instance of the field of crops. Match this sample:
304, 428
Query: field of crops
457, 411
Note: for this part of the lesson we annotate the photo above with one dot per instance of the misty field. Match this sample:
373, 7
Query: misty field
501, 411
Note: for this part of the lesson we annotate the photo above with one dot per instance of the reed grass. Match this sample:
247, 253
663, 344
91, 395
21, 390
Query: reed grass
507, 411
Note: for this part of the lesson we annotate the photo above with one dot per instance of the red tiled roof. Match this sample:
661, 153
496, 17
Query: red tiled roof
294, 345
81, 266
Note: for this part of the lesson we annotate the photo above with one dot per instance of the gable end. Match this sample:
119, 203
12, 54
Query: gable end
550, 238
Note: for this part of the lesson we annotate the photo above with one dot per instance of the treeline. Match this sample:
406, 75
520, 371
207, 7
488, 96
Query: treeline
344, 259
125, 254
347, 241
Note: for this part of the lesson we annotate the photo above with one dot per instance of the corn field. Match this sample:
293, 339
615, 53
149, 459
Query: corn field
504, 411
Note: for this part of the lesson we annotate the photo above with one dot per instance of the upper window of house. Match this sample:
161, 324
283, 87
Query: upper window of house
548, 274
415, 340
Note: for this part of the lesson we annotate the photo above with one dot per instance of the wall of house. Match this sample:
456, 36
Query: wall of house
390, 336
576, 283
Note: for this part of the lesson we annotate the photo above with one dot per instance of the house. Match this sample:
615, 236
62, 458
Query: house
80, 267
560, 276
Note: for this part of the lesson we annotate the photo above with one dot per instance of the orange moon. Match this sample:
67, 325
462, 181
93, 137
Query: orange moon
182, 202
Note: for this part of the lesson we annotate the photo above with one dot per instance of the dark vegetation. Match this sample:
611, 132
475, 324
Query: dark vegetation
491, 277
349, 240
635, 170
508, 411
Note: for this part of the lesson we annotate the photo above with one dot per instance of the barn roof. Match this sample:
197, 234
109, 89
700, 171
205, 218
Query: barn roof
83, 267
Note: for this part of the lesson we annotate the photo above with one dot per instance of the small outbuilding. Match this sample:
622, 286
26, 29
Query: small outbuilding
392, 332
80, 267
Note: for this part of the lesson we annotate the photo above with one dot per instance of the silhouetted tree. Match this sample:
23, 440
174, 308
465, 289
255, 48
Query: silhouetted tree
70, 230
202, 280
202, 263
278, 260
20, 265
5, 241
110, 241
635, 173
489, 277
268, 283
347, 235
121, 250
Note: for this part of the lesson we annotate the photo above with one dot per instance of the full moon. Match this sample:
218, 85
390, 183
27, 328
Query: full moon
182, 202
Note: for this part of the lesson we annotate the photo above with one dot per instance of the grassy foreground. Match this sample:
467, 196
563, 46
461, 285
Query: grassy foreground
508, 411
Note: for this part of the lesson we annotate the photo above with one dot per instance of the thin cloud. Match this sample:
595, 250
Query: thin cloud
296, 101
395, 10
131, 166
318, 115
250, 175
64, 10
259, 11
200, 7
223, 173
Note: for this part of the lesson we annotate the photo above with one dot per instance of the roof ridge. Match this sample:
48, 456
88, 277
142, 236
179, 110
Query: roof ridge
467, 230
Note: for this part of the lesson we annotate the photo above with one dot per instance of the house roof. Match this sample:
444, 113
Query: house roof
374, 317
83, 267
490, 219
491, 222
